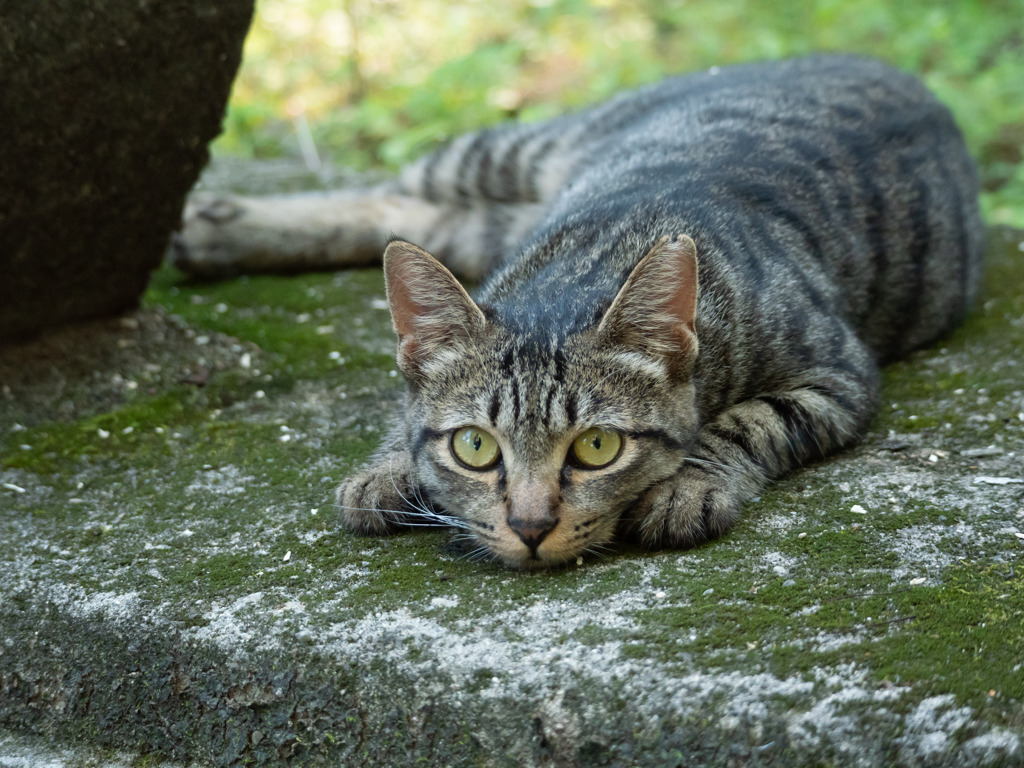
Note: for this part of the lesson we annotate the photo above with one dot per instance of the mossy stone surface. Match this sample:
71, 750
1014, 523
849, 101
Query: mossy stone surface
175, 584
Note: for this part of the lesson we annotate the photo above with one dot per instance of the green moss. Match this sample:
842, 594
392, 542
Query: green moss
981, 358
960, 636
300, 321
214, 573
54, 446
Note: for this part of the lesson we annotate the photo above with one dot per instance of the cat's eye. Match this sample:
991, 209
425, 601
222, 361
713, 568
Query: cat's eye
475, 448
596, 448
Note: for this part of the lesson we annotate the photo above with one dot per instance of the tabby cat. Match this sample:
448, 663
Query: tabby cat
689, 290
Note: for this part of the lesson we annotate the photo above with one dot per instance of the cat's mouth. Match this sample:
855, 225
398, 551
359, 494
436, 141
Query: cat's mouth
553, 555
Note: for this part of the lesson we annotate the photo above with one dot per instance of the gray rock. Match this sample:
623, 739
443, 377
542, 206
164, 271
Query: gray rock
106, 108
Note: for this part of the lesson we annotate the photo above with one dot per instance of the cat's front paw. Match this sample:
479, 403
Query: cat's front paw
374, 499
686, 509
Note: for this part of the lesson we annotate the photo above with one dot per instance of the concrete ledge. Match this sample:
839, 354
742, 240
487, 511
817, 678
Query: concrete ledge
174, 582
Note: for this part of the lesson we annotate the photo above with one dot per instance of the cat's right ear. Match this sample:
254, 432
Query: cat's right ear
432, 313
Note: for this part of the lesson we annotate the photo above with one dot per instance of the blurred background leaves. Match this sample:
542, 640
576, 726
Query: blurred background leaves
374, 83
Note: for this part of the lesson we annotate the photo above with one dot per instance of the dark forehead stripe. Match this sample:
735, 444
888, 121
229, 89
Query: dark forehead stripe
570, 407
558, 360
508, 362
495, 407
548, 400
516, 404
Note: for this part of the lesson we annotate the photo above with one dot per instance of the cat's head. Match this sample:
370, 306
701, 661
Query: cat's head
540, 444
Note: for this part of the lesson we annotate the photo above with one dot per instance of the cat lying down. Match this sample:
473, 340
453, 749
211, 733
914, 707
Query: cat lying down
688, 292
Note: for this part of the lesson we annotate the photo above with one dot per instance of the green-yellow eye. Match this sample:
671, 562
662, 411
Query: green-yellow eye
596, 448
475, 448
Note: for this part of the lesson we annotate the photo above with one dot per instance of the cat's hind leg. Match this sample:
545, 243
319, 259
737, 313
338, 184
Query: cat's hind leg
228, 235
225, 235
470, 203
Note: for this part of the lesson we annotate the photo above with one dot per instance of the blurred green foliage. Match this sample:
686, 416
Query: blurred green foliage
378, 82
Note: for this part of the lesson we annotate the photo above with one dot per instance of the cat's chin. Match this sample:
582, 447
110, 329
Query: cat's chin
544, 562
465, 548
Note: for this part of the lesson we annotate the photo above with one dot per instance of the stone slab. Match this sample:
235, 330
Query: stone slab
174, 581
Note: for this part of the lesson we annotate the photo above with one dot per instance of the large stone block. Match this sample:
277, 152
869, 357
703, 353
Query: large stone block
106, 110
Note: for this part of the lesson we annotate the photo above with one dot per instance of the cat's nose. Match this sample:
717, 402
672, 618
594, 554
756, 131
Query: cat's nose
531, 511
532, 530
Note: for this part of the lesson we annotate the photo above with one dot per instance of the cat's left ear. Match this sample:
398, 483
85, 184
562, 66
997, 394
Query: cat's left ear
654, 312
431, 311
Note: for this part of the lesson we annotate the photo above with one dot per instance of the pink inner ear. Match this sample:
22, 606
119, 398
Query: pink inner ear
401, 275
404, 310
656, 308
429, 308
685, 296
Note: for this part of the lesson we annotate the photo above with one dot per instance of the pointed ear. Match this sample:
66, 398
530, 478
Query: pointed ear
655, 311
432, 313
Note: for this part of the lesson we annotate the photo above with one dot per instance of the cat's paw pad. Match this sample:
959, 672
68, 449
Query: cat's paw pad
687, 509
373, 500
206, 244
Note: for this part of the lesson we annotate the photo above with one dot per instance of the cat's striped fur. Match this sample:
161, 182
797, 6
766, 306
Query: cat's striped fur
802, 222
